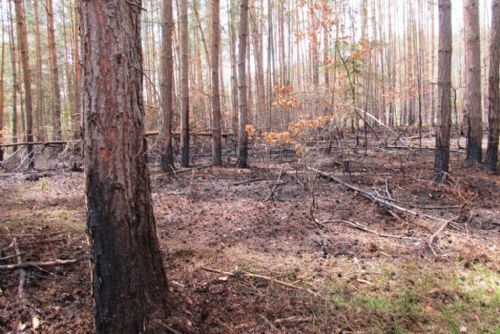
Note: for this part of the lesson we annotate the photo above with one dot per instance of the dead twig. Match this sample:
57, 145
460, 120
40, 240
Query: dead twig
433, 237
22, 273
23, 265
271, 195
240, 274
249, 181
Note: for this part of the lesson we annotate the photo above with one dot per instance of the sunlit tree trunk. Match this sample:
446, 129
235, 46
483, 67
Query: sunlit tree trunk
25, 61
473, 83
40, 128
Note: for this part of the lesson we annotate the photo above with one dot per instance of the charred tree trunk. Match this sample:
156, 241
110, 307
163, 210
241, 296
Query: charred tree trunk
184, 41
493, 91
216, 118
128, 277
167, 75
242, 51
473, 83
441, 163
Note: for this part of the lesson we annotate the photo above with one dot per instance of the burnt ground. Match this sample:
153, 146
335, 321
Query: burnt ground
340, 279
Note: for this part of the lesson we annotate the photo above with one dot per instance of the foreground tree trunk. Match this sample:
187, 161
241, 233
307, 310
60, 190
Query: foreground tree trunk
56, 90
167, 75
242, 51
441, 163
25, 61
473, 80
128, 277
493, 91
216, 122
184, 85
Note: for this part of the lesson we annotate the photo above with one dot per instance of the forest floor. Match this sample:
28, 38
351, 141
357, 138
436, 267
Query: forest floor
321, 273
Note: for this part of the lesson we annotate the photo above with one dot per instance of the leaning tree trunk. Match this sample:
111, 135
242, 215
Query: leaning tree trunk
441, 163
184, 85
473, 83
216, 118
128, 277
167, 72
25, 61
493, 91
242, 51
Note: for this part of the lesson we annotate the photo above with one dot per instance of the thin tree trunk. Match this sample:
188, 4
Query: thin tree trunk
441, 163
242, 51
76, 119
493, 91
126, 259
13, 59
40, 128
167, 75
25, 61
2, 69
56, 91
473, 83
216, 118
184, 41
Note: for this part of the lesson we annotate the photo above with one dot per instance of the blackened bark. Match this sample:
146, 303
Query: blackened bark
25, 61
441, 163
216, 117
167, 75
493, 90
184, 85
242, 79
128, 278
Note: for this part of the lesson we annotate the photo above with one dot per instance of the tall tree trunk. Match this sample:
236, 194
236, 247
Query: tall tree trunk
493, 91
184, 85
13, 59
441, 163
2, 68
167, 75
56, 91
216, 119
25, 61
473, 83
76, 119
126, 259
242, 51
40, 128
234, 75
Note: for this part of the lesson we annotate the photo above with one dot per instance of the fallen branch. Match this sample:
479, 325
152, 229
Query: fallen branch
22, 273
382, 201
249, 181
292, 319
24, 265
239, 274
365, 229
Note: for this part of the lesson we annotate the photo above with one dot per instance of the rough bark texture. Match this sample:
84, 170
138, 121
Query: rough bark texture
25, 61
441, 163
2, 68
40, 128
54, 69
216, 118
13, 60
167, 75
128, 277
473, 83
242, 50
184, 85
493, 90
